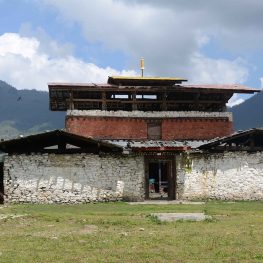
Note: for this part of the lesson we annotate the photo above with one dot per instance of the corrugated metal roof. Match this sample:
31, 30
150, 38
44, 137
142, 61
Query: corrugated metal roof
235, 137
39, 142
156, 143
79, 85
236, 88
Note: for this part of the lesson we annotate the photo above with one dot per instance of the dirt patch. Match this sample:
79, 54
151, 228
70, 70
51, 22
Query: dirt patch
58, 231
11, 216
88, 229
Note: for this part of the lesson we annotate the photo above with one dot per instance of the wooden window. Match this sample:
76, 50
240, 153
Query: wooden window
154, 131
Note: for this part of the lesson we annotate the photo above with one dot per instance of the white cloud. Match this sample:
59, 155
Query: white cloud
45, 43
210, 71
235, 100
16, 45
26, 66
207, 70
169, 34
139, 30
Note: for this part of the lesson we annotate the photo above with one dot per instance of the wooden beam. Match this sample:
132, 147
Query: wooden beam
104, 103
140, 101
150, 89
134, 102
164, 97
71, 101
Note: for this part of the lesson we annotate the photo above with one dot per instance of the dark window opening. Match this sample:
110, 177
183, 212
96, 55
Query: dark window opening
154, 131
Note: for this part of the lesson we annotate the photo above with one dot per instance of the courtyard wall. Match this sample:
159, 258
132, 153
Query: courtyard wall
72, 178
225, 176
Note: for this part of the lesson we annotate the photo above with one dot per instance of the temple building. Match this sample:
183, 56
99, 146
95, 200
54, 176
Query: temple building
137, 138
136, 108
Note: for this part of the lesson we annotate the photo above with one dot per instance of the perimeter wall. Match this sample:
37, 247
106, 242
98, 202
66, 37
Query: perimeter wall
74, 178
225, 176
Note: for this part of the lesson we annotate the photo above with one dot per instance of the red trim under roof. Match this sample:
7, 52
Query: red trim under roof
160, 149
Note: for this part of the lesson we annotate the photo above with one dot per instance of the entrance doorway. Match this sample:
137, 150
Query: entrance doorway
1, 183
160, 179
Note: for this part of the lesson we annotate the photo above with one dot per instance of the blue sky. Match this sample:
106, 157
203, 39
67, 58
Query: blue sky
204, 41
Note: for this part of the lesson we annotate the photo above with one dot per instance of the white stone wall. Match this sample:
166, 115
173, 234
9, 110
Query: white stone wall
74, 178
151, 114
229, 176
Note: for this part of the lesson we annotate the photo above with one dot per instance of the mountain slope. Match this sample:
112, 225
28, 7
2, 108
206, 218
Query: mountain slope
24, 111
249, 114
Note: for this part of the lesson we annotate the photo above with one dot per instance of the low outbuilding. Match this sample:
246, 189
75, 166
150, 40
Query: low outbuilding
61, 167
228, 168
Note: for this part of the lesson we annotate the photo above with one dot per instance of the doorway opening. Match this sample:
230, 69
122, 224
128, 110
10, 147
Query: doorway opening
160, 180
1, 183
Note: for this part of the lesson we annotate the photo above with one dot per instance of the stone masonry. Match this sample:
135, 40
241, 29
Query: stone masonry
229, 176
74, 178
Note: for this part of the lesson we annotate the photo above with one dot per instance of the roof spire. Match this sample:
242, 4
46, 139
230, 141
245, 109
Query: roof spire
142, 66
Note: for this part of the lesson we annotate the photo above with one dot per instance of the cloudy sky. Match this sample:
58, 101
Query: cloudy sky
205, 41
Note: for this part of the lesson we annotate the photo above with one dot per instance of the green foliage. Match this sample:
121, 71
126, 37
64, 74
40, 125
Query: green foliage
187, 163
154, 219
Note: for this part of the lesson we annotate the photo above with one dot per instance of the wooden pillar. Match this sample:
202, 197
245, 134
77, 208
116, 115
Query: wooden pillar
134, 104
251, 142
196, 101
104, 103
164, 102
71, 100
61, 146
146, 183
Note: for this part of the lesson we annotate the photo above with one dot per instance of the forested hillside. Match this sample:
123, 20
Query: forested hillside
26, 111
249, 114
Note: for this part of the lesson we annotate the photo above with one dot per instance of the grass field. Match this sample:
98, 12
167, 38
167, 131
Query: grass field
119, 232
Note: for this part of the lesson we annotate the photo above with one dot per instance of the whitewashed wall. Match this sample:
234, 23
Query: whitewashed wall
229, 176
151, 114
75, 178
81, 178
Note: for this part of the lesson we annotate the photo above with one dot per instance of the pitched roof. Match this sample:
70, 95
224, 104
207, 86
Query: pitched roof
157, 145
45, 142
249, 140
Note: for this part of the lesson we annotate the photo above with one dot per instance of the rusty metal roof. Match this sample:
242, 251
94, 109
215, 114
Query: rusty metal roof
235, 88
59, 85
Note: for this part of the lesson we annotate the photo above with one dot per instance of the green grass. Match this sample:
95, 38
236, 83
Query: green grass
119, 232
